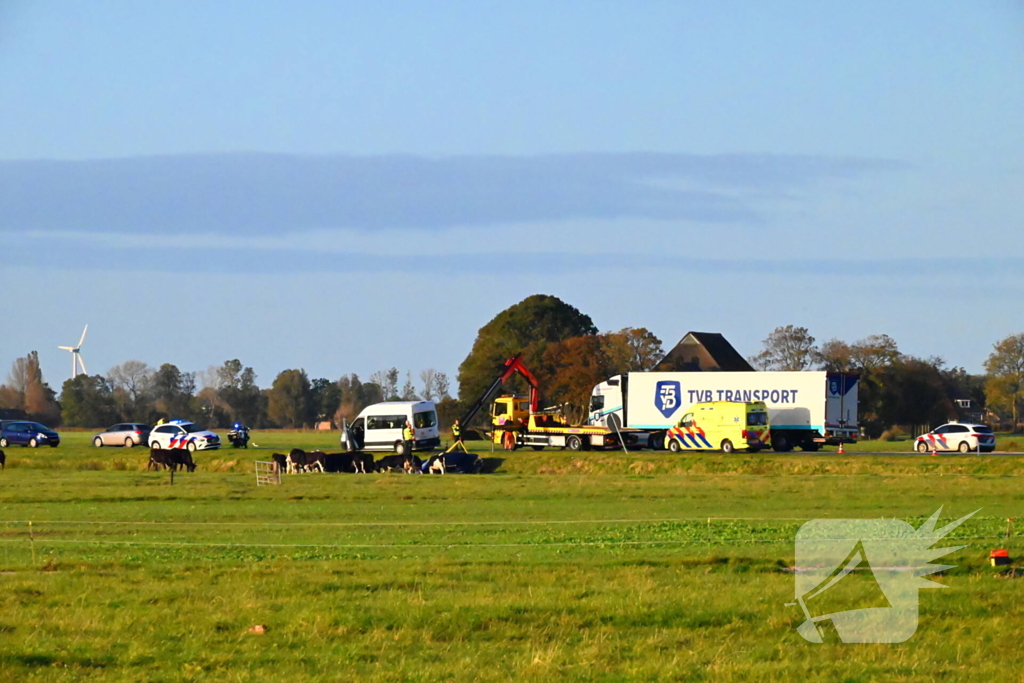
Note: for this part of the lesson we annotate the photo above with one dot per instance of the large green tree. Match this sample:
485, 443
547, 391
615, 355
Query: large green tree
1005, 367
88, 401
326, 397
354, 396
236, 388
174, 392
527, 327
290, 399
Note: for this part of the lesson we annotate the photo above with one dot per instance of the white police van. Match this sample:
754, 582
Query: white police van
379, 427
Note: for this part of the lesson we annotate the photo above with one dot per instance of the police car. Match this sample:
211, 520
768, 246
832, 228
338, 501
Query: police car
956, 436
183, 434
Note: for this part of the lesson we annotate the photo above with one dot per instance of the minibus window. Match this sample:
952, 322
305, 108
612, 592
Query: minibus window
757, 419
424, 420
385, 422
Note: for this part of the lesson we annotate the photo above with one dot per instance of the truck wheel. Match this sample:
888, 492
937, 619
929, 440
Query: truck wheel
781, 444
674, 445
727, 446
537, 448
656, 441
574, 443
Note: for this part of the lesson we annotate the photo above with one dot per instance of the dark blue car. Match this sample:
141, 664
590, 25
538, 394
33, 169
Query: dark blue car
25, 433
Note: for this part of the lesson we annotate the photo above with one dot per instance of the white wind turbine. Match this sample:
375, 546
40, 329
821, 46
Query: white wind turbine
76, 355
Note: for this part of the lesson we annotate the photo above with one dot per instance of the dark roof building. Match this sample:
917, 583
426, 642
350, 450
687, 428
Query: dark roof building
703, 352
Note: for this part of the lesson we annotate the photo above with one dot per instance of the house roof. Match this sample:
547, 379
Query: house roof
723, 355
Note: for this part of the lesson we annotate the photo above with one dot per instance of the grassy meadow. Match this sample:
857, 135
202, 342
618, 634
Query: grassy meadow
555, 566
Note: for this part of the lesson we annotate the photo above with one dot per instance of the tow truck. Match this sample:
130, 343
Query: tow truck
517, 421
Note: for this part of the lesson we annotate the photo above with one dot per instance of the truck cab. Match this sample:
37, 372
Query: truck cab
721, 425
510, 410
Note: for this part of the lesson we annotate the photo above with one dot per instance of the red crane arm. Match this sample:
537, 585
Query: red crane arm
511, 367
514, 365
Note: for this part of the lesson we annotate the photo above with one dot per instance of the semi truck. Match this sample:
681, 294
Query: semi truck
807, 409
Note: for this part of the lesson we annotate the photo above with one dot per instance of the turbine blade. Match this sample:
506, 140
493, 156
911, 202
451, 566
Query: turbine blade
66, 348
82, 363
83, 336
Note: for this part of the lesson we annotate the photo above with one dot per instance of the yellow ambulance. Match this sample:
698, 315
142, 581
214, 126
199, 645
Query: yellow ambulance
721, 425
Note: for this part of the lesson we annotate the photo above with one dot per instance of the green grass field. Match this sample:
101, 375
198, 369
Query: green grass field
593, 566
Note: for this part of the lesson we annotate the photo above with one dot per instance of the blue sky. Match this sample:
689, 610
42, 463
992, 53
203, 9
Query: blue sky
350, 186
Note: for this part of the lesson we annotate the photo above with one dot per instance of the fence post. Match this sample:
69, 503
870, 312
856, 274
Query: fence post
32, 541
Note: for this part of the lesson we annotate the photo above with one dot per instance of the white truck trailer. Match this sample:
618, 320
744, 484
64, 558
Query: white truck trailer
806, 409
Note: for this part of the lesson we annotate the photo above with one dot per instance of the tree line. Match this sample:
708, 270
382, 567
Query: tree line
898, 389
561, 346
218, 397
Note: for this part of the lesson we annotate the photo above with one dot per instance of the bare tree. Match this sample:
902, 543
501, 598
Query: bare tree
387, 380
429, 379
133, 377
408, 389
788, 348
442, 386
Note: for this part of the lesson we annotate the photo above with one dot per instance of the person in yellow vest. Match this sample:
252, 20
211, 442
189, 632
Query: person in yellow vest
161, 421
409, 437
457, 436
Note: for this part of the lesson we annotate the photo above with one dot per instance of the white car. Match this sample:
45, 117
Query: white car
955, 436
183, 434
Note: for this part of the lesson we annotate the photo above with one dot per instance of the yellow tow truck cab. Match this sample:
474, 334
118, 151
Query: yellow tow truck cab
514, 425
721, 425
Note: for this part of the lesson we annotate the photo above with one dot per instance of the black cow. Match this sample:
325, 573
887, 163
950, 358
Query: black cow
301, 461
3, 461
281, 461
362, 462
183, 458
315, 460
173, 458
159, 459
355, 462
407, 463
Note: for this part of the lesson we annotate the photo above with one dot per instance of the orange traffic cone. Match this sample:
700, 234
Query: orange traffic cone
841, 451
933, 452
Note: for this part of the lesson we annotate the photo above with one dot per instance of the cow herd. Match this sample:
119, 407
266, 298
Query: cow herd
298, 460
